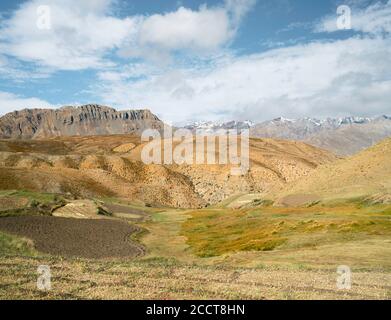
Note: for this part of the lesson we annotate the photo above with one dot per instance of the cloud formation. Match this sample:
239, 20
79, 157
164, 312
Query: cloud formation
191, 72
83, 33
201, 31
10, 102
80, 34
374, 19
318, 79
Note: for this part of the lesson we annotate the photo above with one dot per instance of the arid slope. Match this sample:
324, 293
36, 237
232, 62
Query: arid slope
110, 166
367, 174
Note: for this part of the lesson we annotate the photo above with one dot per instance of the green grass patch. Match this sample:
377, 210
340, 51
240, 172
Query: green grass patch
216, 232
36, 204
12, 245
158, 217
139, 234
36, 196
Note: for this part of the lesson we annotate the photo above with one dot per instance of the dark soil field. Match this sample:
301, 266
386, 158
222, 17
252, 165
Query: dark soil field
127, 212
104, 238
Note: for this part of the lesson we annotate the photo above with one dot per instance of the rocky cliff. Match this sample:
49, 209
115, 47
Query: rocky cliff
87, 120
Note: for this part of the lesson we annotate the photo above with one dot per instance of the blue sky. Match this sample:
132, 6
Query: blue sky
198, 60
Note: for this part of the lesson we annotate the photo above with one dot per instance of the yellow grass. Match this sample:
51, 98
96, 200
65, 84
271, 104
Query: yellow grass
288, 230
258, 253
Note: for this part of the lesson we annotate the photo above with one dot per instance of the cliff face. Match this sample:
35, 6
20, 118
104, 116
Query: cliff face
88, 120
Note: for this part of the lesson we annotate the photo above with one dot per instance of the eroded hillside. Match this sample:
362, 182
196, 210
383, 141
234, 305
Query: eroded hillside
111, 166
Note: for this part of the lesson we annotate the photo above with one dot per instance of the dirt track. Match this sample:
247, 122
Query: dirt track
74, 237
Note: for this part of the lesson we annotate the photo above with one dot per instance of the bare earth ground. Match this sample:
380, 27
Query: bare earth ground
126, 212
75, 237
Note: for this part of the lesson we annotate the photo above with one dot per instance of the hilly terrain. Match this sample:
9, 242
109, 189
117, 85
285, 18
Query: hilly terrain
111, 166
87, 120
342, 136
110, 226
366, 175
105, 246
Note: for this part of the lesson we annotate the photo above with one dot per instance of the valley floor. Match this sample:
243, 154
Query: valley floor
166, 279
216, 253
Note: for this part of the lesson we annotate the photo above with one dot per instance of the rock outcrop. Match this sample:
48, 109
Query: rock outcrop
87, 120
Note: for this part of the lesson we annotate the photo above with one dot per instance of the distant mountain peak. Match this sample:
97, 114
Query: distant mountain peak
283, 120
217, 125
344, 135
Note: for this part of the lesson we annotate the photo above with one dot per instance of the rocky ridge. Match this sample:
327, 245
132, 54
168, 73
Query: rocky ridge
87, 120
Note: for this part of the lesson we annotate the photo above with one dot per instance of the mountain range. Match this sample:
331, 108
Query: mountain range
213, 126
343, 136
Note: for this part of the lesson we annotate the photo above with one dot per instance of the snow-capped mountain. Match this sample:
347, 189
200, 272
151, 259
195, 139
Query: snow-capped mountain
215, 125
343, 136
335, 122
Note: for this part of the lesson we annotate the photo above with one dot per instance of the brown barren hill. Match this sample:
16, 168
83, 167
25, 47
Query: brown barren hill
367, 174
89, 166
273, 163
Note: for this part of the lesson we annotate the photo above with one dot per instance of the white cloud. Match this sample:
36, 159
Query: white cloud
129, 71
373, 19
16, 71
10, 102
84, 33
318, 79
200, 31
204, 29
328, 78
81, 34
